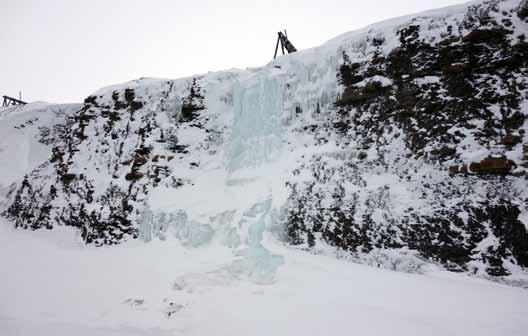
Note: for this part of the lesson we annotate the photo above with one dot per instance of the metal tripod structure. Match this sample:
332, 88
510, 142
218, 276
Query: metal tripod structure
282, 38
12, 101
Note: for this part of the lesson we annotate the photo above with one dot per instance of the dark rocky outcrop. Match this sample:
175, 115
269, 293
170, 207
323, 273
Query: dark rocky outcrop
487, 166
192, 104
467, 86
118, 137
522, 11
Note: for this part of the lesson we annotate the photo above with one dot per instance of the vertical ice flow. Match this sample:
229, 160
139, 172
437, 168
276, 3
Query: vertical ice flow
256, 132
258, 262
255, 140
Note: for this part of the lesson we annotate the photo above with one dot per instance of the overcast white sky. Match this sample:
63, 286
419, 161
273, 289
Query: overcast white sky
63, 50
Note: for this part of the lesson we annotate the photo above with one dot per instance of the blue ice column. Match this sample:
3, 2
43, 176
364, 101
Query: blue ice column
259, 263
256, 138
256, 131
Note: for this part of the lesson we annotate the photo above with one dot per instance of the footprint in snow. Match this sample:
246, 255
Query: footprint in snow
135, 303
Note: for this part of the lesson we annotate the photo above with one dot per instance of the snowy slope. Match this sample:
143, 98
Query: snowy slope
402, 145
57, 287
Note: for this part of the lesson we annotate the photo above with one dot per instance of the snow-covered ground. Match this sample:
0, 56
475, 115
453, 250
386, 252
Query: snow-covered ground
53, 286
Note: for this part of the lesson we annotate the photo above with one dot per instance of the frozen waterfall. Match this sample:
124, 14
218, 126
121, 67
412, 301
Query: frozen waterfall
233, 202
255, 140
256, 132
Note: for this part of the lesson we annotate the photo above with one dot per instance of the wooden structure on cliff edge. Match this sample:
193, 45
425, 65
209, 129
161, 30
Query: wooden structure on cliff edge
8, 101
282, 38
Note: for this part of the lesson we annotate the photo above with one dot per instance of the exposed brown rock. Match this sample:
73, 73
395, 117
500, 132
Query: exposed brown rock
133, 175
511, 140
454, 170
495, 35
140, 160
492, 165
358, 95
454, 68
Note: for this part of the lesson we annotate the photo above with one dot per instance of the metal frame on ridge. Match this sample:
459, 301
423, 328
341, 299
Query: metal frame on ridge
282, 38
12, 101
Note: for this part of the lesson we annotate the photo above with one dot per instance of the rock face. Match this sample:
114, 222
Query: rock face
522, 11
103, 163
463, 85
407, 136
490, 165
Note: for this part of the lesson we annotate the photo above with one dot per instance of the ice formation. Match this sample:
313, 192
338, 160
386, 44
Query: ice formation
256, 261
256, 138
256, 134
242, 186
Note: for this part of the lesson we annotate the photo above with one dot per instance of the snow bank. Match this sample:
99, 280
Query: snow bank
56, 287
